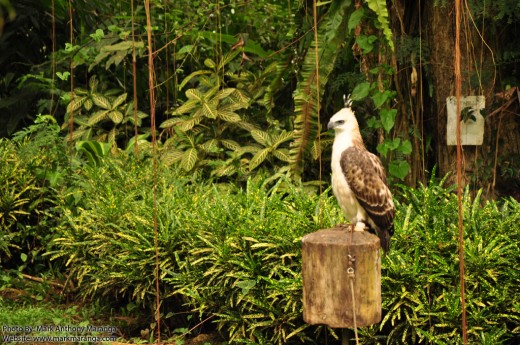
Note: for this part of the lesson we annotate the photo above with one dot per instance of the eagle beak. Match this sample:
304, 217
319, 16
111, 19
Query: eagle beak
330, 125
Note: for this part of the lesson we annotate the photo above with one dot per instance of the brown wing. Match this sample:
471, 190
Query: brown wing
366, 177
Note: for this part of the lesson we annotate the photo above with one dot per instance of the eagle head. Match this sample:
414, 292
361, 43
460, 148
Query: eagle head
345, 119
346, 129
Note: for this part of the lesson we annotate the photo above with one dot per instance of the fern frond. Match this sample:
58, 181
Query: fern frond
331, 34
379, 7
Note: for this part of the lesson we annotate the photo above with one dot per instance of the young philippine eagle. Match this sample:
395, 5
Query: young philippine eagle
359, 180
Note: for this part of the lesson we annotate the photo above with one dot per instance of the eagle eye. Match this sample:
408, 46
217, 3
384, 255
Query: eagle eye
340, 122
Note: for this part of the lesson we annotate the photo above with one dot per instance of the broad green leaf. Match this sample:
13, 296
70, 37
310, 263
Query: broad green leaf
360, 91
399, 168
122, 46
388, 118
355, 18
246, 285
380, 98
210, 63
191, 76
366, 43
406, 147
388, 145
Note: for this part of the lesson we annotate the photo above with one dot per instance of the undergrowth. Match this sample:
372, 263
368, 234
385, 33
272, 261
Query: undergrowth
231, 255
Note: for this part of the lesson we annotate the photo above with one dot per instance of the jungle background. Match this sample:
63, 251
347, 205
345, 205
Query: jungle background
211, 154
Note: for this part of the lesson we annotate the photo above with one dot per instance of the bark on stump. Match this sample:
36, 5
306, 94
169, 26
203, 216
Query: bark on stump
327, 294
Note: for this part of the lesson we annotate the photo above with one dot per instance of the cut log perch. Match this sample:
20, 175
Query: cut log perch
327, 294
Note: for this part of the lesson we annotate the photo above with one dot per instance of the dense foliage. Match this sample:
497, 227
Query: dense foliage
244, 90
234, 253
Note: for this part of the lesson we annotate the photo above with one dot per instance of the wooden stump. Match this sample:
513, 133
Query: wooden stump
327, 294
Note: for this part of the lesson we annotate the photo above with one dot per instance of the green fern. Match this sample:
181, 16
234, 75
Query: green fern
331, 34
379, 7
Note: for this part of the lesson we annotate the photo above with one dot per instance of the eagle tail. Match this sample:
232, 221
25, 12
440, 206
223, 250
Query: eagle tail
384, 238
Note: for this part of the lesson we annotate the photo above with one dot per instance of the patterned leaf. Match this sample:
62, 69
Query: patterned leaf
225, 93
116, 116
261, 137
226, 170
119, 100
97, 117
282, 137
230, 144
112, 135
189, 158
80, 133
101, 101
248, 149
88, 104
186, 107
258, 158
194, 94
172, 157
209, 110
241, 98
229, 116
210, 145
75, 104
282, 154
190, 123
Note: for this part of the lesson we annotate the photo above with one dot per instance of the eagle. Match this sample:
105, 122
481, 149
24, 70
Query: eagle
359, 179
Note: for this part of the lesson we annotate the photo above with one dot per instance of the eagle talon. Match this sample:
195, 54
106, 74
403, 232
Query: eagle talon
360, 226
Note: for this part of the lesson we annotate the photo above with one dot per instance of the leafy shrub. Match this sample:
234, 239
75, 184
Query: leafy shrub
421, 297
235, 255
31, 166
244, 264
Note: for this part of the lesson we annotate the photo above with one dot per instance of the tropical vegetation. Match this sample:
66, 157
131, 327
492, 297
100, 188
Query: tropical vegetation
178, 149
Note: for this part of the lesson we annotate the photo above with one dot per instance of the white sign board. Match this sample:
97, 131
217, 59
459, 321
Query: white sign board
472, 122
